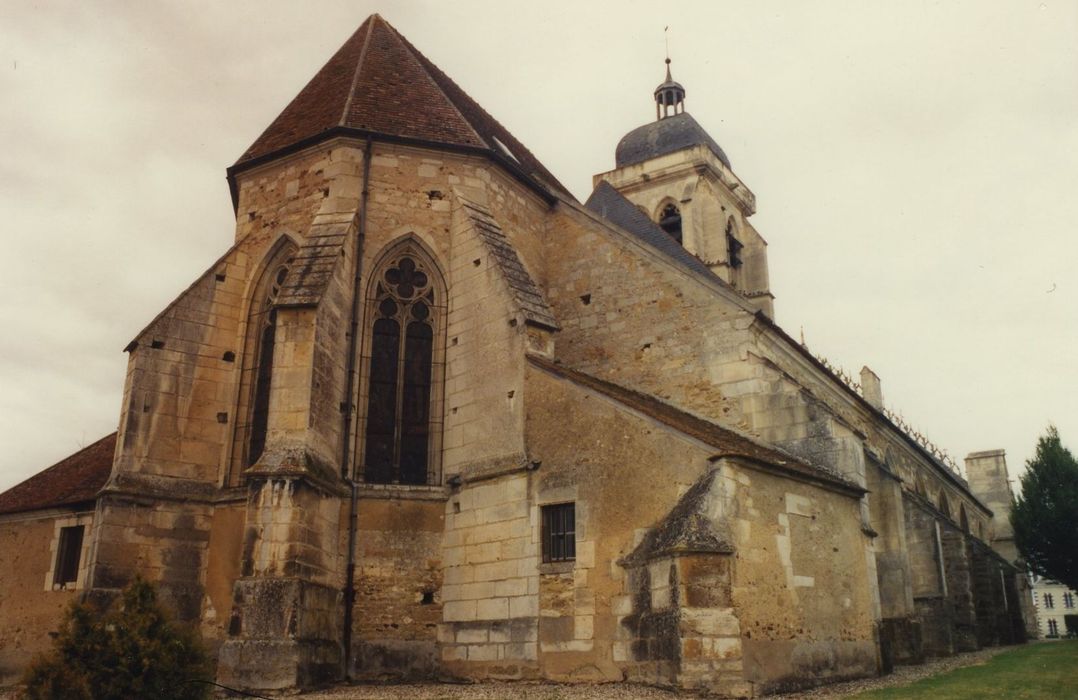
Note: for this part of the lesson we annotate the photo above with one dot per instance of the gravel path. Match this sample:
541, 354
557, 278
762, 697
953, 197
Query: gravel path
627, 691
614, 691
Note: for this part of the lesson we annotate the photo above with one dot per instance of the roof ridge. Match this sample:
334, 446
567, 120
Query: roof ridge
359, 68
423, 62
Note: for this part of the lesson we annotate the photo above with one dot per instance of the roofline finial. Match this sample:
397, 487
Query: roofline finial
666, 37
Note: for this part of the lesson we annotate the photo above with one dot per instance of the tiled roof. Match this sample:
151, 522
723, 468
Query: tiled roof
610, 204
379, 83
72, 480
727, 442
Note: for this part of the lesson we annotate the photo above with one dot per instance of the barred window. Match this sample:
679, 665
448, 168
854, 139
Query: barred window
559, 532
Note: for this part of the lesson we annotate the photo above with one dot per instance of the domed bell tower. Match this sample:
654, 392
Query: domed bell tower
677, 175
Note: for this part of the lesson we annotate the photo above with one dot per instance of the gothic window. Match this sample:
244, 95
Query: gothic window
559, 532
256, 377
399, 435
944, 505
733, 246
670, 221
263, 368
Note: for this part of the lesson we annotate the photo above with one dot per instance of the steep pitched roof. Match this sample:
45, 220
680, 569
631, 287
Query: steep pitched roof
378, 83
72, 480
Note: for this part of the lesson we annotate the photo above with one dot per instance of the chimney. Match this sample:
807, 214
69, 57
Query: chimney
870, 388
988, 480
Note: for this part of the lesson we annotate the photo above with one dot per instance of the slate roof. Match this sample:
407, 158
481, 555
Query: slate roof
72, 480
525, 292
727, 443
610, 204
666, 135
378, 83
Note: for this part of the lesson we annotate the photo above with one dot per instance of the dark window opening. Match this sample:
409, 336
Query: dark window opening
1048, 602
733, 246
68, 554
559, 532
670, 221
1053, 628
401, 372
1068, 600
263, 369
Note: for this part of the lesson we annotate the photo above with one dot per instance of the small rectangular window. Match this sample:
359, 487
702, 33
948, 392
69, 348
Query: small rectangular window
68, 554
1053, 628
559, 532
1048, 602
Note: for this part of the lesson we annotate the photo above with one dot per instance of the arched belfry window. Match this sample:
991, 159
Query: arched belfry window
670, 221
733, 245
256, 378
402, 426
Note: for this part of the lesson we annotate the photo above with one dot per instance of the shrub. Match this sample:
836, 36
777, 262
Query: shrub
130, 651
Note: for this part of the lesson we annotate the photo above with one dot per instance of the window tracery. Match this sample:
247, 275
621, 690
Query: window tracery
252, 411
400, 422
263, 368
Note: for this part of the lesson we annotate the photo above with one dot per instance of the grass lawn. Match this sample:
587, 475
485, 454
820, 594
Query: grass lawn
1036, 671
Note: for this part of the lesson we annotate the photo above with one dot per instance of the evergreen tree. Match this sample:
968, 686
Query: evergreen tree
1045, 514
130, 651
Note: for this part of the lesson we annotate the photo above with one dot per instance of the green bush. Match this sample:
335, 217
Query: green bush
130, 651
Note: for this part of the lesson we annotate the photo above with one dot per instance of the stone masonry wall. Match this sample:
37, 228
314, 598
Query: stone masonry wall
491, 582
29, 609
799, 585
398, 586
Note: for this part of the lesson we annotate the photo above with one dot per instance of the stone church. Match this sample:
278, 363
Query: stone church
430, 416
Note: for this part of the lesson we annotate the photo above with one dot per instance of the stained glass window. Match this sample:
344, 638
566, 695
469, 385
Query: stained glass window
263, 369
399, 386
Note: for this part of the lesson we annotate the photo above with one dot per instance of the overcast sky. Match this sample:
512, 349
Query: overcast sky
915, 166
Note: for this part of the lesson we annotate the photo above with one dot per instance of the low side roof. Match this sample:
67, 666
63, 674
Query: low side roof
726, 442
72, 480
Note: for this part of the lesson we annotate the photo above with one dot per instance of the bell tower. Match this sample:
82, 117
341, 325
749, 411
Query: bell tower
678, 176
